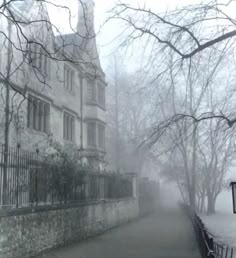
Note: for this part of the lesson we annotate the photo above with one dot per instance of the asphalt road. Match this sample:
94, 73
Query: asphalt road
166, 234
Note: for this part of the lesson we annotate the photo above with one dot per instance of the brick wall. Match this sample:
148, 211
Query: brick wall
28, 233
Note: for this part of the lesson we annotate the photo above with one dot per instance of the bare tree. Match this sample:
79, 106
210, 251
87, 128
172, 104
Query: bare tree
216, 154
191, 92
186, 33
131, 116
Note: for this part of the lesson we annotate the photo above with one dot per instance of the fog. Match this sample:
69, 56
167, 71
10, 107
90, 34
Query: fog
117, 128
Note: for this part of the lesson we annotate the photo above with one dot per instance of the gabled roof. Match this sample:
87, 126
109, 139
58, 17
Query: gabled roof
78, 46
83, 50
81, 45
67, 42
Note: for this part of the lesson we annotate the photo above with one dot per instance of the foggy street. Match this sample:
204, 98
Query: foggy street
117, 129
165, 234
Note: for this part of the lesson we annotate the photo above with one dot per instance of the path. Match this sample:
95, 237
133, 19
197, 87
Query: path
162, 235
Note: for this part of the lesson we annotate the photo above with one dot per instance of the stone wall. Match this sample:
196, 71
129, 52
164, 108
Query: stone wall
28, 233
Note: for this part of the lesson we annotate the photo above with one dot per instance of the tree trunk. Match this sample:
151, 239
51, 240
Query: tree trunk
192, 199
192, 193
202, 207
210, 204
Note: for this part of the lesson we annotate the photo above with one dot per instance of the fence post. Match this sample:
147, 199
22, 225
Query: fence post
226, 252
5, 169
36, 177
52, 177
101, 187
105, 187
87, 187
211, 246
17, 175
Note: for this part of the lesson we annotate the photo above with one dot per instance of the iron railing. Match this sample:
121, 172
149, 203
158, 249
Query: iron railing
27, 180
209, 247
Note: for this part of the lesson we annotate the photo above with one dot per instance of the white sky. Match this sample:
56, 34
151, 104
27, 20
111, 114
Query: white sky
108, 32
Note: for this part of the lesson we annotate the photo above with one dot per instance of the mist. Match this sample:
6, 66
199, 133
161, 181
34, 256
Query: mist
117, 128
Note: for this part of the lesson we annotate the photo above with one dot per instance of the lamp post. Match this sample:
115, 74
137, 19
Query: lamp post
233, 186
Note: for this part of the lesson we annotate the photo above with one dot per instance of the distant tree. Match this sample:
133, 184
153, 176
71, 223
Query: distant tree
130, 113
193, 91
216, 151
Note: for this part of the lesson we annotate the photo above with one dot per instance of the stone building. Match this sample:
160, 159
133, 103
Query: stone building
57, 86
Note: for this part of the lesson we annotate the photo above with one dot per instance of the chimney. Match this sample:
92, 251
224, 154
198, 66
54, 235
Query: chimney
85, 26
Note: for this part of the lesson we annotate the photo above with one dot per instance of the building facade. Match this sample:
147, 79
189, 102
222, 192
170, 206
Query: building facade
56, 83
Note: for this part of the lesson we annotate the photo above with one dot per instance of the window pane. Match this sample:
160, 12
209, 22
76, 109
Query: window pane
46, 118
64, 126
68, 127
71, 80
65, 77
68, 79
91, 91
30, 112
38, 56
41, 61
91, 134
45, 64
101, 136
35, 112
38, 114
33, 54
41, 114
48, 68
73, 130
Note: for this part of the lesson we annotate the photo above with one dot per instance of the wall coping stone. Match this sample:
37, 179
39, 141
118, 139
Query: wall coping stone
37, 209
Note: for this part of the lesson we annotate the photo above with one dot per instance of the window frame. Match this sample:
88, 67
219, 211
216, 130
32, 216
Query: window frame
69, 78
98, 140
92, 143
68, 127
91, 92
36, 120
39, 59
96, 93
101, 138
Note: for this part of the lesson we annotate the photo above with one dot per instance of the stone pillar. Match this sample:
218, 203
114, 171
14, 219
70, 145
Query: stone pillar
134, 184
102, 187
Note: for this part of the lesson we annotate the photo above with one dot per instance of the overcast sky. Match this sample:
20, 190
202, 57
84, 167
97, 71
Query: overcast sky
109, 31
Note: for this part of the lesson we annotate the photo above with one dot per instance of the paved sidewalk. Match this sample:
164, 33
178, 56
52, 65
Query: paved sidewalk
167, 234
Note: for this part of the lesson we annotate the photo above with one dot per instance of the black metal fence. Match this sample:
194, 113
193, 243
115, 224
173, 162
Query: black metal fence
26, 180
209, 248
